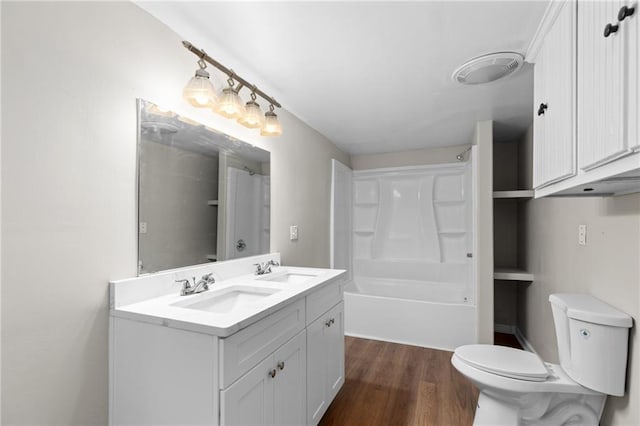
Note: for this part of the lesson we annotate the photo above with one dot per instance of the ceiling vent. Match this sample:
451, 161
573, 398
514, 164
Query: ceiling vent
488, 68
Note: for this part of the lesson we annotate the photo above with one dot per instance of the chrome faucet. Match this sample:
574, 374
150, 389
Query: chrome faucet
265, 268
197, 287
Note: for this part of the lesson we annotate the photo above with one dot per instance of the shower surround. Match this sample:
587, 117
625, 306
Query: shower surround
413, 278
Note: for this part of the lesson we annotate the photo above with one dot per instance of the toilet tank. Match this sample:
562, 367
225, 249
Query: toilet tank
592, 341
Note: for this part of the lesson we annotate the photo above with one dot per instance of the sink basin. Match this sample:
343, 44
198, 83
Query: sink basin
287, 277
227, 300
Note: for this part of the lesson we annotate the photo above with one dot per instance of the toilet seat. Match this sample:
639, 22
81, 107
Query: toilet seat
504, 361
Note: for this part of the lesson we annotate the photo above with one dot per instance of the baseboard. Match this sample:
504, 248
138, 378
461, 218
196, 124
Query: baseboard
523, 341
503, 328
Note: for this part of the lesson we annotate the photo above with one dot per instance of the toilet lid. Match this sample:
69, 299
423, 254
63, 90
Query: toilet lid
508, 362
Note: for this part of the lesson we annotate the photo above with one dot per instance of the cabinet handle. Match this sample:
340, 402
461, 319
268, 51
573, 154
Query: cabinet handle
272, 373
281, 365
541, 109
624, 12
328, 323
608, 29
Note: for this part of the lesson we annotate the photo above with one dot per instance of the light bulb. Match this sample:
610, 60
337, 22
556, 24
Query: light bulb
229, 104
199, 91
252, 117
272, 126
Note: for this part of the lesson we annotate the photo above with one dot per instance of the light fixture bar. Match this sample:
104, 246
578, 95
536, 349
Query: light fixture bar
202, 55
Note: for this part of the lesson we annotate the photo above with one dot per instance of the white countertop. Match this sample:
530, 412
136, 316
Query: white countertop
161, 310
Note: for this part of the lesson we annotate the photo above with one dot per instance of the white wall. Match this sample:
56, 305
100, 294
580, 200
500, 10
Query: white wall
71, 73
608, 267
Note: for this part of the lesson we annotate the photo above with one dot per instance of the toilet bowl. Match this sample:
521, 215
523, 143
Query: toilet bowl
518, 388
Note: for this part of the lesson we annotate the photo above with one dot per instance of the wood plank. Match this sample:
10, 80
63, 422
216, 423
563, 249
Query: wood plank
392, 384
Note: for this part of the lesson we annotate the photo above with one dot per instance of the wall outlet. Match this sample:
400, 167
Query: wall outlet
582, 235
293, 232
143, 227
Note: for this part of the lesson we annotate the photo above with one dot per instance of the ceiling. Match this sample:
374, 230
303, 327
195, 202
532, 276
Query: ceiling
371, 76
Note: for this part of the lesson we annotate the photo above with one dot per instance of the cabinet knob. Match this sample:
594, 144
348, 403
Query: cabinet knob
609, 28
272, 373
328, 323
332, 320
624, 12
542, 108
281, 365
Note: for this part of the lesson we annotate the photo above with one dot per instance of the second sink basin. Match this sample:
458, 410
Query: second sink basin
227, 300
287, 277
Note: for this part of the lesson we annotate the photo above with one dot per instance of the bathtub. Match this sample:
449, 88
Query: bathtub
419, 313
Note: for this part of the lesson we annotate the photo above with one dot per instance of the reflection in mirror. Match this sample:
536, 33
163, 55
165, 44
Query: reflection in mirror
202, 195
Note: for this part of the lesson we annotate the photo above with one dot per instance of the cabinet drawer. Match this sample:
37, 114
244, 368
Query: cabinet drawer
320, 301
245, 349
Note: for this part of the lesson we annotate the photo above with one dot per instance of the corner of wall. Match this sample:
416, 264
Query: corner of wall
483, 142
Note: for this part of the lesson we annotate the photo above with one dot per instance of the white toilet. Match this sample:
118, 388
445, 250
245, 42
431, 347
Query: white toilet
518, 388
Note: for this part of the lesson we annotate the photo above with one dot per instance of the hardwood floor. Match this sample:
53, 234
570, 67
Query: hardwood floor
392, 384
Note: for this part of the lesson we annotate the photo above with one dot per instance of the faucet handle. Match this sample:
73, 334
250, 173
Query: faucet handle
209, 278
259, 268
273, 262
186, 286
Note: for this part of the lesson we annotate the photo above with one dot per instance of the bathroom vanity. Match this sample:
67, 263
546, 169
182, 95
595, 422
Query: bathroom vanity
251, 350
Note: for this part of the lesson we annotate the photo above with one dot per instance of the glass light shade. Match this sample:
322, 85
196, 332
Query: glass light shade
229, 105
199, 91
252, 117
272, 126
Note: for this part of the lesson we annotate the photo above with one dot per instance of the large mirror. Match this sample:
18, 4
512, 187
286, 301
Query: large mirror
203, 196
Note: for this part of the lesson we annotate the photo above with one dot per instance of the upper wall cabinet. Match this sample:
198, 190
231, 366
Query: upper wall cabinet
604, 46
586, 56
554, 92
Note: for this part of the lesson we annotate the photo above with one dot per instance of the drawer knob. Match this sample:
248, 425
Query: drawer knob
624, 12
272, 373
609, 29
281, 365
541, 109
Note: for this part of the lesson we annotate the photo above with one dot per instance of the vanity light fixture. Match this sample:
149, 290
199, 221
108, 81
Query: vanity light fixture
199, 92
272, 126
253, 117
229, 104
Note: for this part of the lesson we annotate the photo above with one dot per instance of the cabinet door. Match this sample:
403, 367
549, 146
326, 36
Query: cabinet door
554, 95
290, 382
601, 89
249, 401
317, 369
630, 30
335, 344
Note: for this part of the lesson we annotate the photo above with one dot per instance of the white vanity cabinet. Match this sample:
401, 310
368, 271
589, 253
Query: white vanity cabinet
171, 365
272, 393
554, 91
599, 99
325, 349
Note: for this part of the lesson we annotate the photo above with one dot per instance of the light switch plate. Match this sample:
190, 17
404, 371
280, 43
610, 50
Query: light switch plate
582, 235
293, 232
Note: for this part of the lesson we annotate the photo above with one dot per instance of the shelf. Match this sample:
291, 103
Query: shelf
212, 257
512, 274
452, 232
212, 202
453, 202
523, 193
364, 231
